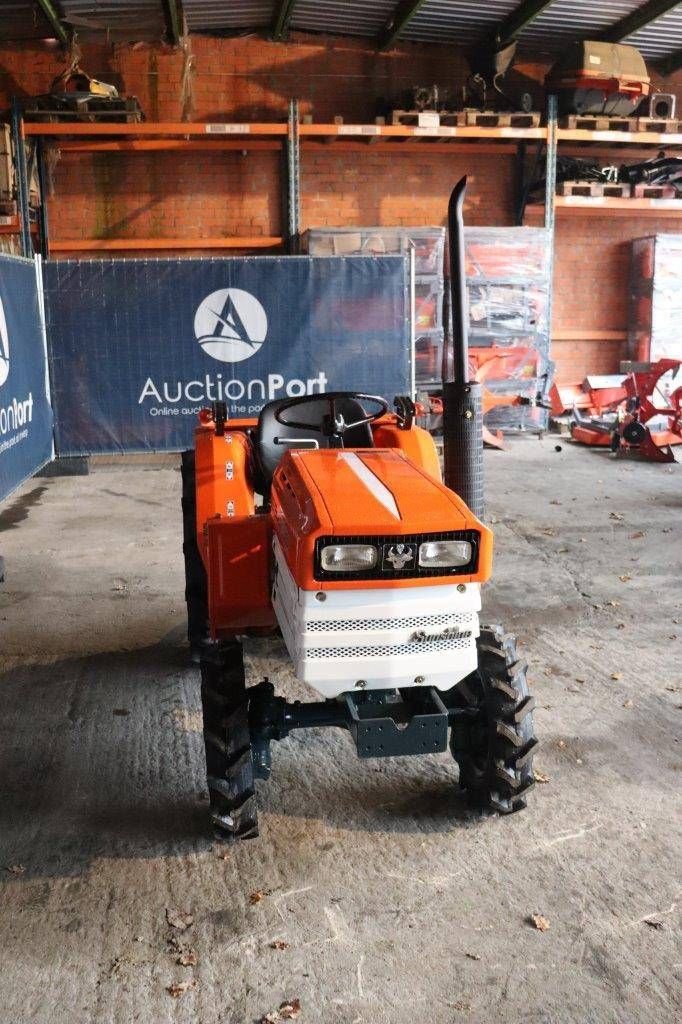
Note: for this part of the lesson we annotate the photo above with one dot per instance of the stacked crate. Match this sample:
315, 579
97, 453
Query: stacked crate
428, 244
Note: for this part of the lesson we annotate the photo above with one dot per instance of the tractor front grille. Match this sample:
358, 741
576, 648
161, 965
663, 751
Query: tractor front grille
444, 619
427, 646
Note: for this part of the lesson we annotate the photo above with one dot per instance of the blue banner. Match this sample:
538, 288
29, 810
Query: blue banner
138, 347
25, 413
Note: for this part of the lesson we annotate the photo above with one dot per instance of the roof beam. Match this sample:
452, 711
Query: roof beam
50, 12
172, 13
398, 22
640, 17
283, 14
518, 19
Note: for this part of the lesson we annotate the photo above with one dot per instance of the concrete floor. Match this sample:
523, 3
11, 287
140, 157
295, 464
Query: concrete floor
394, 903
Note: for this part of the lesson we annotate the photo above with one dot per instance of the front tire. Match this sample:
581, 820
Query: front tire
494, 749
196, 587
227, 740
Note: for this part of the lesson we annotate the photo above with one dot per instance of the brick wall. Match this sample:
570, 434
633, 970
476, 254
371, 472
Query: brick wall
229, 193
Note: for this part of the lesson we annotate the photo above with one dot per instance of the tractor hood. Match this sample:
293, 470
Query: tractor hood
334, 494
379, 491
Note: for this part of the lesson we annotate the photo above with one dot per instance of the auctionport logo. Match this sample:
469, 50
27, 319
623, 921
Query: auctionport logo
230, 325
4, 347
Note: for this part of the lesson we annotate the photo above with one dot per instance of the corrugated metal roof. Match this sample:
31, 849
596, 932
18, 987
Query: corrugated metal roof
565, 20
214, 15
456, 21
128, 20
342, 17
661, 37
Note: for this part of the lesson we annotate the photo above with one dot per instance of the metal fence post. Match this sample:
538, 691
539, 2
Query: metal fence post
293, 179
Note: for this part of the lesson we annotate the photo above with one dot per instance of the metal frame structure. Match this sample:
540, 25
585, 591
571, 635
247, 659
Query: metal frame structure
293, 178
283, 14
526, 12
398, 21
172, 13
52, 17
22, 180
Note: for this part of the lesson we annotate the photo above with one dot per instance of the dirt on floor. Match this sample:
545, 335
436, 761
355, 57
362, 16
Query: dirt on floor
373, 896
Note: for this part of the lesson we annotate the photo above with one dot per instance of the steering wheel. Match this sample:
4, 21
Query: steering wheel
333, 425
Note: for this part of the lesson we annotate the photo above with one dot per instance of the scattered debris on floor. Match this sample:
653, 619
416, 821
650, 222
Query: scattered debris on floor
278, 944
178, 988
287, 1011
258, 894
187, 958
180, 919
539, 922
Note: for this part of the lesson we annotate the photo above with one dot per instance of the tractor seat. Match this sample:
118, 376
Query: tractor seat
268, 453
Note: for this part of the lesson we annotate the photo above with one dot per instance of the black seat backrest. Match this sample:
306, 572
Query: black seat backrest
268, 431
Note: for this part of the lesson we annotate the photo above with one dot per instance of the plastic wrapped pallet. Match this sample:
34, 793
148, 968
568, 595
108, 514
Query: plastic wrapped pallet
508, 281
428, 244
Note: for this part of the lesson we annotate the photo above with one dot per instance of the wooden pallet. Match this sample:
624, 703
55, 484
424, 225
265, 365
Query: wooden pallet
580, 188
617, 190
602, 123
598, 123
501, 119
610, 189
662, 126
427, 118
645, 191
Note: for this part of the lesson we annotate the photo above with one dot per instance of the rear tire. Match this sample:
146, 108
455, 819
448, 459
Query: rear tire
495, 750
227, 740
196, 587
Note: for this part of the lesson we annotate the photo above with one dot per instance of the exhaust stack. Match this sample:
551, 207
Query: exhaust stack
462, 414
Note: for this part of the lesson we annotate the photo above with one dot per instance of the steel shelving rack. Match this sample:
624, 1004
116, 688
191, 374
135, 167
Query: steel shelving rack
290, 138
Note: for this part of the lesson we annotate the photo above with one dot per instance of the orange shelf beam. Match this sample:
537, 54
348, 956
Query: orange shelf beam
165, 145
217, 130
620, 138
401, 131
149, 128
131, 244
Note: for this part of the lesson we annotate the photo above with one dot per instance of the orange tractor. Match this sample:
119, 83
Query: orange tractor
327, 519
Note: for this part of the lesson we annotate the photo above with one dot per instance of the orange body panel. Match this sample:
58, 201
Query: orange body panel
318, 493
223, 477
417, 444
394, 490
238, 569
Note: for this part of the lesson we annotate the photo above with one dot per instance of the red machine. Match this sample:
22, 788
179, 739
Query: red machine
622, 415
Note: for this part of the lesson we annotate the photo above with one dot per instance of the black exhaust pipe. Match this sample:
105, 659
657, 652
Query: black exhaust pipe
462, 413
